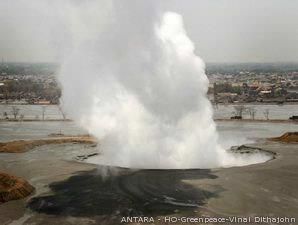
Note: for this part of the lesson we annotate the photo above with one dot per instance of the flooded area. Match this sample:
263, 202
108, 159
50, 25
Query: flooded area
221, 111
275, 112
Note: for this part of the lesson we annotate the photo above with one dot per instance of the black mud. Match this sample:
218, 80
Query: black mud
128, 193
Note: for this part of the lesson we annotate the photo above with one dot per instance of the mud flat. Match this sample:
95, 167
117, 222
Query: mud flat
69, 192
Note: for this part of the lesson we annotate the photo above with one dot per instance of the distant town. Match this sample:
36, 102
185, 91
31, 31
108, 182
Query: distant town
253, 83
24, 83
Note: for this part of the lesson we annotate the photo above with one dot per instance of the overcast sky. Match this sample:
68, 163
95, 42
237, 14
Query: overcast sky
222, 30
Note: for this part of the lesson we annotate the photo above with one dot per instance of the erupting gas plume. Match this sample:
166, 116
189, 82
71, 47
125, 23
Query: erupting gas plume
132, 79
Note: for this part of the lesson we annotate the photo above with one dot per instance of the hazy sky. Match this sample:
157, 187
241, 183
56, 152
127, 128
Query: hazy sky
222, 30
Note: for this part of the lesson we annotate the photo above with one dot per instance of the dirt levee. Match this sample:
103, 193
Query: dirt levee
20, 146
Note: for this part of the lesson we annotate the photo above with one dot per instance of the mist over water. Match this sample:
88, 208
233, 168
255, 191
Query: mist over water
132, 79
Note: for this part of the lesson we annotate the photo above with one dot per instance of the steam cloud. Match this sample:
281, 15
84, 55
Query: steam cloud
132, 79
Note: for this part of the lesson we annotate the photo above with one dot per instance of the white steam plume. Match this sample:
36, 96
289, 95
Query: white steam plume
132, 80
